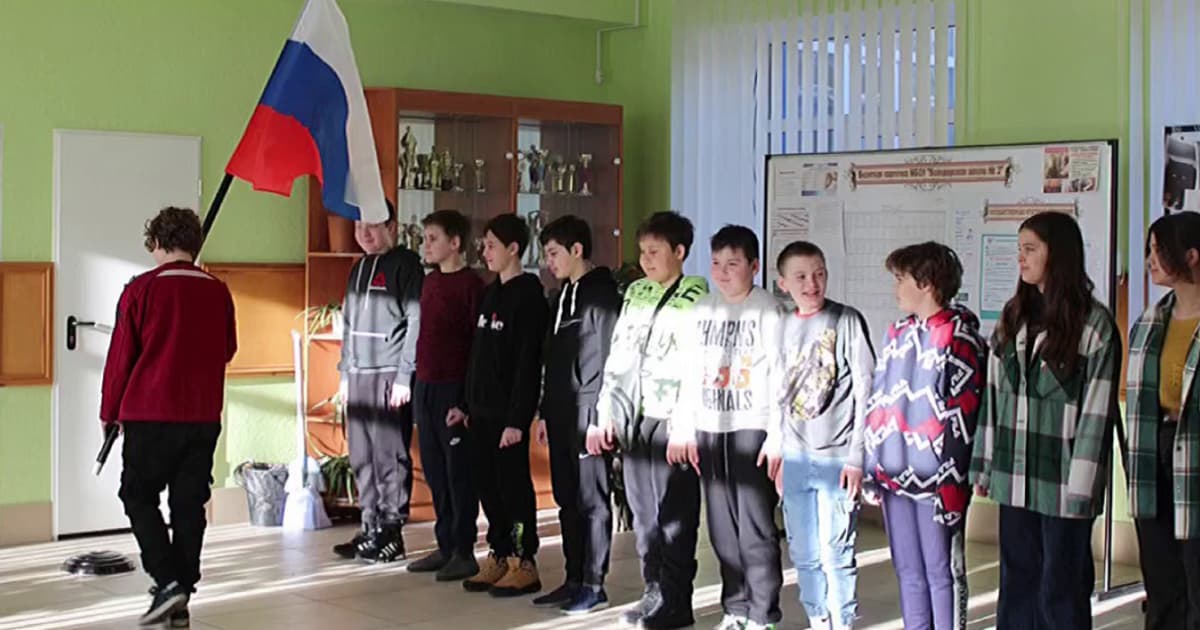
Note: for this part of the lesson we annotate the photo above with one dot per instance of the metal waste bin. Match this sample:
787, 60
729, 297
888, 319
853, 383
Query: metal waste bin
265, 491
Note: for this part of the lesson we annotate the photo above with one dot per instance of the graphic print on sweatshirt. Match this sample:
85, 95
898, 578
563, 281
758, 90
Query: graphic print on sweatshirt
812, 376
728, 382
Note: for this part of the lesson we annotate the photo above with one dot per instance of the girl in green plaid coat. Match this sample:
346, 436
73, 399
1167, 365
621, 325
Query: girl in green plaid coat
1044, 441
1163, 420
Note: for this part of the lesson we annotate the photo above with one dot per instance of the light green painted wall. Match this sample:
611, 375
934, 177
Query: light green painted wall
198, 67
1067, 79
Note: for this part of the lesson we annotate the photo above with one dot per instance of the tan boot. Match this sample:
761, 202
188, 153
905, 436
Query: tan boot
521, 579
491, 570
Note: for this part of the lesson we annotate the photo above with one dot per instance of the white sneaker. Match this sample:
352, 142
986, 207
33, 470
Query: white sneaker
822, 623
731, 622
750, 625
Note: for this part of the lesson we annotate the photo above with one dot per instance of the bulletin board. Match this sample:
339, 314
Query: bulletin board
858, 207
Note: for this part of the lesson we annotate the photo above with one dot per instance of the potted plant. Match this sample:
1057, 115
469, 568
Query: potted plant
320, 317
339, 481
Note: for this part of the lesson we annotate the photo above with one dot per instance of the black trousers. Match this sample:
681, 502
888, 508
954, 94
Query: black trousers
581, 490
505, 488
1046, 572
379, 438
665, 500
446, 462
1170, 567
177, 457
740, 500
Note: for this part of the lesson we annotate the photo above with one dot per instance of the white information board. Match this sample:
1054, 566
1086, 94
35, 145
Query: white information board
858, 207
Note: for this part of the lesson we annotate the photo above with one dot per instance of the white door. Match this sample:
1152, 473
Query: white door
106, 185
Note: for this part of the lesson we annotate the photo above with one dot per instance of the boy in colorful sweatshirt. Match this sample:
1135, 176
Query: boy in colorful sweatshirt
920, 419
829, 362
728, 425
637, 402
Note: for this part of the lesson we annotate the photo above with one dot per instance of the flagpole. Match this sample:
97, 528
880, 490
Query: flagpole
215, 207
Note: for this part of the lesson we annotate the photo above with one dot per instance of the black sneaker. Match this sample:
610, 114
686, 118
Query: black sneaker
651, 600
167, 600
669, 616
558, 597
180, 619
586, 600
389, 545
460, 567
351, 549
430, 563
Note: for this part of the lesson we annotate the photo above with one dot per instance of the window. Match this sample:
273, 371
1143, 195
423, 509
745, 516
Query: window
750, 80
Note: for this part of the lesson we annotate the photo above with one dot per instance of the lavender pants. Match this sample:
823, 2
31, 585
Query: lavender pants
930, 565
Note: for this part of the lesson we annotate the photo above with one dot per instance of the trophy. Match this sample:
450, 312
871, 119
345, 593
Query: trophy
457, 177
535, 253
477, 250
435, 170
570, 189
522, 172
536, 170
558, 174
585, 175
421, 179
447, 182
408, 158
414, 235
480, 183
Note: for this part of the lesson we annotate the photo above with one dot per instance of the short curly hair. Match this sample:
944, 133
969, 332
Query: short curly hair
175, 229
931, 264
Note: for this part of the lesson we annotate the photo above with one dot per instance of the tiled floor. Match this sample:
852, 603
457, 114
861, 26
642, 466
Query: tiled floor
265, 579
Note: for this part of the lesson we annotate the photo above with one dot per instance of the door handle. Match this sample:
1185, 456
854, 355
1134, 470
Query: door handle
74, 323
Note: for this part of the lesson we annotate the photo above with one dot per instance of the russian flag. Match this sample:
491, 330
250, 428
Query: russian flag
312, 120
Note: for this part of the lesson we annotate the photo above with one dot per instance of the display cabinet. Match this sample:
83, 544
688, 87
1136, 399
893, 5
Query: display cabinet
482, 155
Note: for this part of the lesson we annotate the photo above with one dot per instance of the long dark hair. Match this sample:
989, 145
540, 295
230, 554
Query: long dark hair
1062, 309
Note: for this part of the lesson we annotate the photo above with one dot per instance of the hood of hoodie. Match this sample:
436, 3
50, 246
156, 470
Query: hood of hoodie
568, 301
956, 313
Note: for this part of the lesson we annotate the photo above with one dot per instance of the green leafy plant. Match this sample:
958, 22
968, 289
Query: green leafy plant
626, 275
339, 479
321, 316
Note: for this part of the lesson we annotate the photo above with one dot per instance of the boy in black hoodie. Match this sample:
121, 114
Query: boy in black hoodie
503, 377
576, 347
379, 349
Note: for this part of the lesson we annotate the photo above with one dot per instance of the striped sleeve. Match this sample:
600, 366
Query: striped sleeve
1097, 413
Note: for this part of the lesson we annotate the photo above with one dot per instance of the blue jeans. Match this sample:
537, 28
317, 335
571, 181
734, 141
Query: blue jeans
822, 525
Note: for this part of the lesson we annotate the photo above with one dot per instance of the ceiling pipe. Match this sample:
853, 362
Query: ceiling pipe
637, 23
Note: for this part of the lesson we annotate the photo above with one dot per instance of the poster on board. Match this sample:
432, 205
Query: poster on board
1181, 187
859, 206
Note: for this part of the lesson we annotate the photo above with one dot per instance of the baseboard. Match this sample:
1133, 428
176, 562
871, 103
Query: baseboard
228, 507
26, 523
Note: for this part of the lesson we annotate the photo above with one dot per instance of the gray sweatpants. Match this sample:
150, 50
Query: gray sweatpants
379, 438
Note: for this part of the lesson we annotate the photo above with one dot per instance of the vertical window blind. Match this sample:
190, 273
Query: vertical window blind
757, 77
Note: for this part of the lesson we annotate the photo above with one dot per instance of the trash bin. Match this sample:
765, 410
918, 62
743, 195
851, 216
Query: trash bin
265, 491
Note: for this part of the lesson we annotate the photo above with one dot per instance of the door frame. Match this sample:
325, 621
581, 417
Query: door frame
56, 243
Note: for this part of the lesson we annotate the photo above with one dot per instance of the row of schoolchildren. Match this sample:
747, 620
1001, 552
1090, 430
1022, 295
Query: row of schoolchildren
727, 392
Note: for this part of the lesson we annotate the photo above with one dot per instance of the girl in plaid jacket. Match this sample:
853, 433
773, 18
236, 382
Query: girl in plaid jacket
1042, 448
1163, 420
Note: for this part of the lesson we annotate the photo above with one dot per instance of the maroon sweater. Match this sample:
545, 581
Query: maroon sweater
173, 336
449, 304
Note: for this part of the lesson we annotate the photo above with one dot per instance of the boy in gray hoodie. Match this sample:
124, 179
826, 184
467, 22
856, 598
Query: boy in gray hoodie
828, 380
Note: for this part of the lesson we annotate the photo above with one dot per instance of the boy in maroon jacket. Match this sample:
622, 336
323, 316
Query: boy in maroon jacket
164, 382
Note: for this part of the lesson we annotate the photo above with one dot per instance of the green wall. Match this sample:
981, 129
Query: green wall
198, 66
1038, 71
